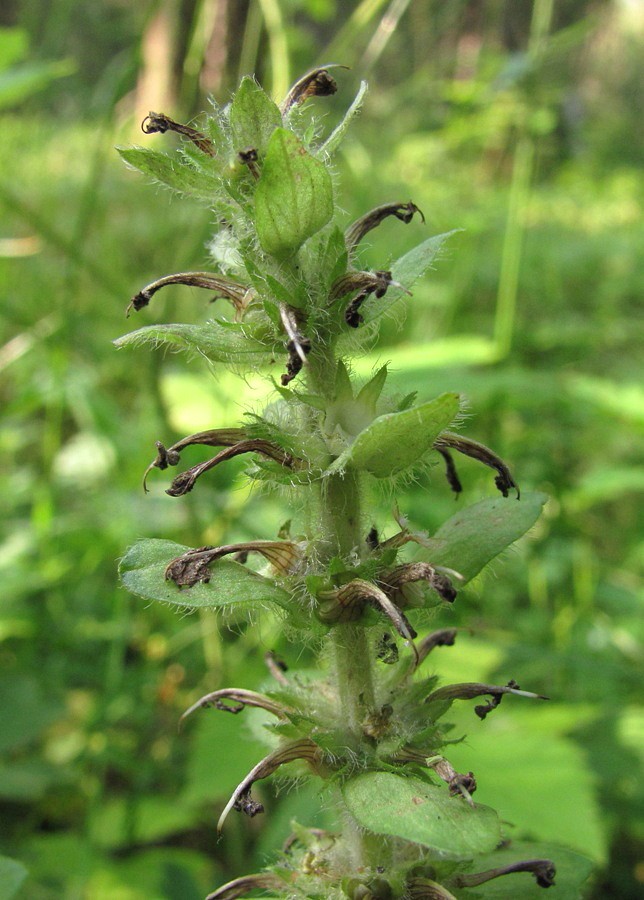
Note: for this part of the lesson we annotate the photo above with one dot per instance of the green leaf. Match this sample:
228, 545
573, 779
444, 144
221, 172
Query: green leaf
171, 171
411, 809
539, 781
19, 82
336, 136
573, 871
12, 875
27, 710
406, 270
475, 535
395, 441
370, 393
294, 195
253, 117
231, 584
218, 342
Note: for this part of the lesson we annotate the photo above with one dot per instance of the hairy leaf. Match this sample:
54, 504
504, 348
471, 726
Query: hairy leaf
475, 535
171, 171
216, 341
336, 136
395, 441
143, 570
294, 195
411, 809
406, 271
253, 117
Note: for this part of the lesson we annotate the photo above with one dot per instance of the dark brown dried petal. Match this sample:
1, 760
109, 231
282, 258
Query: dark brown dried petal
239, 887
504, 480
347, 603
185, 481
450, 471
362, 226
459, 784
366, 283
249, 158
544, 871
443, 637
242, 697
301, 749
298, 345
372, 540
360, 281
191, 567
170, 456
159, 123
239, 295
420, 571
316, 83
468, 690
426, 889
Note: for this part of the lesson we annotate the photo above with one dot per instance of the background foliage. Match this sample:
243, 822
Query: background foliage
520, 124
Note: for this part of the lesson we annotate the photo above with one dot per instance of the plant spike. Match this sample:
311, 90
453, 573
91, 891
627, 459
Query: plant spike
371, 722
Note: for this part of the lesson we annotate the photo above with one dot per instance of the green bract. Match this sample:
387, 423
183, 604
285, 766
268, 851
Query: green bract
393, 442
253, 117
294, 195
412, 809
348, 579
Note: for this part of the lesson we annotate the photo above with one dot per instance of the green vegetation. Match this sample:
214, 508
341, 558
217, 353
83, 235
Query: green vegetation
101, 797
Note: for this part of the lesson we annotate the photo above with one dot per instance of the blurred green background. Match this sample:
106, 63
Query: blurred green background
518, 122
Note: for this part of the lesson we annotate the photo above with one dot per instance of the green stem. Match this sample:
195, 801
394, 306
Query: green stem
350, 657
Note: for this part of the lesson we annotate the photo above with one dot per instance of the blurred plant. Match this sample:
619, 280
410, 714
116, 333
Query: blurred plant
366, 723
20, 79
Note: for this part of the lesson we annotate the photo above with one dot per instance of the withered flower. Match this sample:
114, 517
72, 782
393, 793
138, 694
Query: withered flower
241, 697
447, 441
378, 722
450, 470
185, 481
241, 799
468, 690
194, 566
387, 650
459, 784
239, 887
443, 637
249, 158
362, 226
316, 83
426, 889
239, 295
347, 603
372, 539
276, 666
159, 123
298, 345
544, 871
366, 283
419, 571
171, 456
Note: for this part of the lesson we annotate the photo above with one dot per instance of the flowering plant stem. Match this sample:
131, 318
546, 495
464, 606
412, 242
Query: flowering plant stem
370, 728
